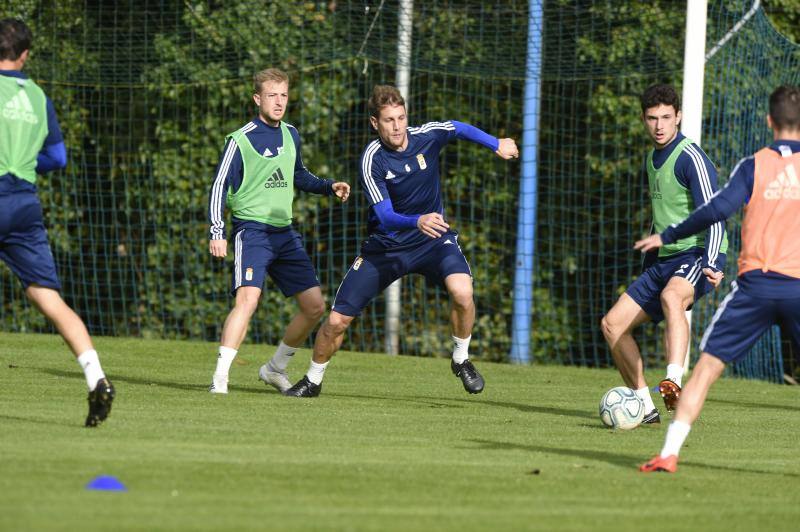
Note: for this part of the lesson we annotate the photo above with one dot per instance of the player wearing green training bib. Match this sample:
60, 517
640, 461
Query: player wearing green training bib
257, 175
680, 178
265, 194
31, 143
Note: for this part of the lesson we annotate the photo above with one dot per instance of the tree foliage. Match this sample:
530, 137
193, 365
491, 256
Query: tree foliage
146, 92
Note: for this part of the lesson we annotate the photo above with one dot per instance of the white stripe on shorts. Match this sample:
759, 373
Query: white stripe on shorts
695, 272
237, 261
718, 315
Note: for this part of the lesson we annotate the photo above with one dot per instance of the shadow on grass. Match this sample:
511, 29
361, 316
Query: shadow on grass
595, 426
746, 404
437, 402
116, 378
427, 401
621, 460
534, 409
49, 422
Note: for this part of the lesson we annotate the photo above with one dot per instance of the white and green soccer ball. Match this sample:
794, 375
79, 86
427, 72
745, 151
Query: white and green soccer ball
621, 408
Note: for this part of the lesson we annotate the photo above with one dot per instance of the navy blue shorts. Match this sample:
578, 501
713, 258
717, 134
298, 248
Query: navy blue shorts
23, 241
646, 290
279, 254
371, 273
742, 318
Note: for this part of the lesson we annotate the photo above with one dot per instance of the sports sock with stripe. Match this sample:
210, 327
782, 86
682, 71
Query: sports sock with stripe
460, 349
283, 355
224, 360
316, 372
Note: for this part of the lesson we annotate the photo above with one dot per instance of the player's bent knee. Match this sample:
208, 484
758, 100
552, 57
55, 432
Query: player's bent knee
336, 324
611, 329
463, 299
247, 302
671, 300
315, 312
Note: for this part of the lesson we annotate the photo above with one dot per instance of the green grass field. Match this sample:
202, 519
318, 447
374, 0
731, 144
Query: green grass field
393, 443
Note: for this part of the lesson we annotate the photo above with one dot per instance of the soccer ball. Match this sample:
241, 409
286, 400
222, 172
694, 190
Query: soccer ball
621, 408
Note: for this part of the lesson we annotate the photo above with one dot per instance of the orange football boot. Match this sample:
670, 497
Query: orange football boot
670, 392
666, 465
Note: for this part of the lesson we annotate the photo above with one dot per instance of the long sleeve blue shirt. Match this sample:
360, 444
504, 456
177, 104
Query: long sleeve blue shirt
268, 141
695, 172
403, 185
720, 207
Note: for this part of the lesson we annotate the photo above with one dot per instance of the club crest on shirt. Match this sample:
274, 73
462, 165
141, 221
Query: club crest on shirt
357, 263
421, 160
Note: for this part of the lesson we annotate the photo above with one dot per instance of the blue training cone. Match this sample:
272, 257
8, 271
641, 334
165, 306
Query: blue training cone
106, 483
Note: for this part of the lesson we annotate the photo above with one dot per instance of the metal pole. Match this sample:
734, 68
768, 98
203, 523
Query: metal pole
694, 63
526, 218
694, 67
393, 291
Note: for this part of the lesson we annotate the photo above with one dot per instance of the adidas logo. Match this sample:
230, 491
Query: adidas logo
268, 152
19, 108
276, 180
390, 175
785, 186
448, 241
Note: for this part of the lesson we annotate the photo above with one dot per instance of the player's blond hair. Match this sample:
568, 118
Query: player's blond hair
269, 74
383, 96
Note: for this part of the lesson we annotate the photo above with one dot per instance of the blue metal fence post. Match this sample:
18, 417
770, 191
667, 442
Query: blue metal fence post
526, 221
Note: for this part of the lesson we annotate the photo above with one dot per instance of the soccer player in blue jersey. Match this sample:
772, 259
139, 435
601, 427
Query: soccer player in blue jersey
31, 144
681, 177
259, 169
766, 291
408, 231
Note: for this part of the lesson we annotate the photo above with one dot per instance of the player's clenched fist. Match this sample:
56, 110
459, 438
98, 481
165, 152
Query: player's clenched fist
507, 149
342, 190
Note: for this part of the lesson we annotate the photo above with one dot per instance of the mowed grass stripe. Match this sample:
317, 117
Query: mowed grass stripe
393, 443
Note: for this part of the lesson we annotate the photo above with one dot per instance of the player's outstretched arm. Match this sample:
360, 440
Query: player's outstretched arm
507, 149
341, 190
218, 248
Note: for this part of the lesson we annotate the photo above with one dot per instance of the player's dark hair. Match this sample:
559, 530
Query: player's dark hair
383, 95
660, 94
784, 108
15, 38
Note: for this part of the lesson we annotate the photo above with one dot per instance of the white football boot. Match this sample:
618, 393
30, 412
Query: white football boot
277, 379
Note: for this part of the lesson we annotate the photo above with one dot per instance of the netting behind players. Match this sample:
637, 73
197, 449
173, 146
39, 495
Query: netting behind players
146, 90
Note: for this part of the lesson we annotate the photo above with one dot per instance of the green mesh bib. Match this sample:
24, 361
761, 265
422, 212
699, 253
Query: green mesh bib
23, 126
672, 202
267, 188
